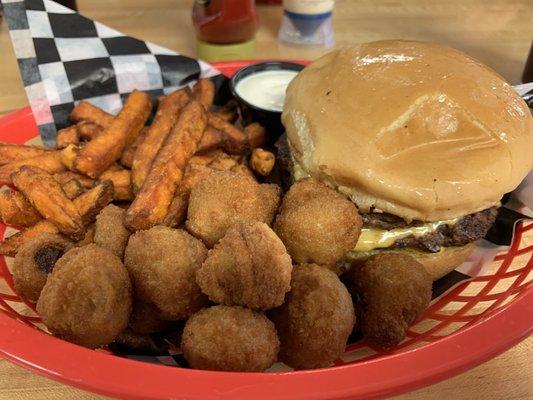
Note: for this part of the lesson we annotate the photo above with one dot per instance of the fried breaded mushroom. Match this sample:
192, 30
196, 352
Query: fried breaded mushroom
145, 318
87, 297
316, 319
162, 263
225, 198
317, 224
248, 267
34, 261
226, 338
394, 289
110, 232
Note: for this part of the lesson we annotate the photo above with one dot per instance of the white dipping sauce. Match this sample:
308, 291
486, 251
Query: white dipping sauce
265, 89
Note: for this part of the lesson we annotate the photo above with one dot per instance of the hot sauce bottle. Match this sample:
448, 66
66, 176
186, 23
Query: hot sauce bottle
225, 29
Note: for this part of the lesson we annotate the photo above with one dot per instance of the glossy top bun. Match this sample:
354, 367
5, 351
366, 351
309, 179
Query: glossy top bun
415, 129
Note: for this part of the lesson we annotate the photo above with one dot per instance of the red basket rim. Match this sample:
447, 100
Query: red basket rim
390, 374
114, 376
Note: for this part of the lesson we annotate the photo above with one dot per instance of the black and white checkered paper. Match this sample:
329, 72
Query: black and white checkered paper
64, 58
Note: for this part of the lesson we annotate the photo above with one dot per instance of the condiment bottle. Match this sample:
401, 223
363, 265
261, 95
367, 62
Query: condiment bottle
307, 22
225, 29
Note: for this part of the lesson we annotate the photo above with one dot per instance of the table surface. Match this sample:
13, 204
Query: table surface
498, 33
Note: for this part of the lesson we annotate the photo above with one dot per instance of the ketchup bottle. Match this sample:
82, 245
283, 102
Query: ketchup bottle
225, 29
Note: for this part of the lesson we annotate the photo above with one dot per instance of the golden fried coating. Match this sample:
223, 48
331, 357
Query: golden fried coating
165, 118
87, 297
10, 245
204, 92
67, 136
16, 210
47, 196
211, 139
316, 319
248, 267
162, 263
34, 261
394, 290
126, 159
17, 152
90, 203
226, 338
145, 318
256, 135
225, 198
49, 162
317, 224
110, 232
121, 179
262, 161
101, 152
73, 188
236, 140
87, 112
157, 192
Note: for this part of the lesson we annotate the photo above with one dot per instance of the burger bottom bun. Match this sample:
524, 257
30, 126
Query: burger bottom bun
436, 264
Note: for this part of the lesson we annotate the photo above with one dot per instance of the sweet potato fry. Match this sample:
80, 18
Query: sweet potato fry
177, 210
9, 246
73, 188
165, 118
223, 162
68, 156
17, 152
255, 134
243, 169
67, 136
121, 183
88, 130
228, 112
47, 196
262, 161
49, 162
85, 111
203, 91
90, 203
16, 210
65, 176
107, 147
211, 139
153, 200
127, 156
236, 140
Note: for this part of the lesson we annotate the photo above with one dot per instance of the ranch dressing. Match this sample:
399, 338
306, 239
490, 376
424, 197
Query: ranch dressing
265, 89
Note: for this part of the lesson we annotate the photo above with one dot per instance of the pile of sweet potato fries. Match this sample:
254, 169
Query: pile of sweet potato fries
150, 170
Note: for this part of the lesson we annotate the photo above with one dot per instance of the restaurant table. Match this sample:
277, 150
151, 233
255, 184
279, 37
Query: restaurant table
497, 32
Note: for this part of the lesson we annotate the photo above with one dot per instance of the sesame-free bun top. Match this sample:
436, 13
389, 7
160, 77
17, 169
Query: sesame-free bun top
415, 129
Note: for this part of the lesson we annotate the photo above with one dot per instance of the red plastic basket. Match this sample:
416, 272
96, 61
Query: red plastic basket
473, 322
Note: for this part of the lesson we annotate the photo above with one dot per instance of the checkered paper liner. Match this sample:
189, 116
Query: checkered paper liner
64, 58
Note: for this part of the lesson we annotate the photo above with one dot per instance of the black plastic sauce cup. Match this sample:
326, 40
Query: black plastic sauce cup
270, 119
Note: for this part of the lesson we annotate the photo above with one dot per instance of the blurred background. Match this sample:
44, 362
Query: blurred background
497, 32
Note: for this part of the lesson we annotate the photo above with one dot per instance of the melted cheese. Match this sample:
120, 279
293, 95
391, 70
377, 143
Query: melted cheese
373, 238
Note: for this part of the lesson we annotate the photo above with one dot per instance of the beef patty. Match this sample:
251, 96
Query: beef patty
467, 229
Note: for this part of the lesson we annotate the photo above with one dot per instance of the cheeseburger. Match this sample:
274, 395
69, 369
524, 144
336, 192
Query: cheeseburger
424, 139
